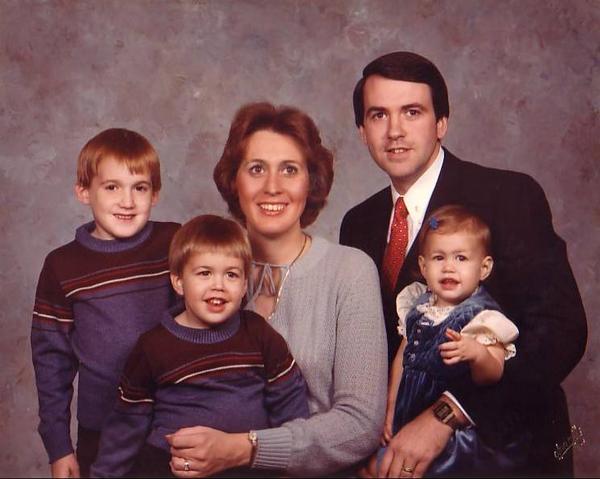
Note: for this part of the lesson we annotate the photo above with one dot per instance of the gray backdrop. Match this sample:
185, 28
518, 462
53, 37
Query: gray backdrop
523, 85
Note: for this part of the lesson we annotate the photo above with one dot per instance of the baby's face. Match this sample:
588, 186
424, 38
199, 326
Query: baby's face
453, 265
213, 284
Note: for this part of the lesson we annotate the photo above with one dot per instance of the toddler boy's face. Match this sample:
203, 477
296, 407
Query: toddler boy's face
213, 284
121, 201
453, 265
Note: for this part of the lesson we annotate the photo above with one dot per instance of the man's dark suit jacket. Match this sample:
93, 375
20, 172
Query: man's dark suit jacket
532, 281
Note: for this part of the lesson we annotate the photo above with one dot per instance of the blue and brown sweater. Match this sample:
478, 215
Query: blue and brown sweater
234, 377
94, 299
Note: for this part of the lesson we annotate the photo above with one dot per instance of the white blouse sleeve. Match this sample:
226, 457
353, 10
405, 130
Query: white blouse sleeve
405, 301
491, 327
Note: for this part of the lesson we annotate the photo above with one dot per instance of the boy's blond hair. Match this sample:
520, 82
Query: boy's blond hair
125, 146
452, 219
209, 233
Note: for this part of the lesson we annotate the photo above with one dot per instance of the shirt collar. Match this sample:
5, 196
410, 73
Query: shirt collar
418, 195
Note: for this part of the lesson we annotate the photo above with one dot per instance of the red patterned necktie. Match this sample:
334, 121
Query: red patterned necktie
396, 248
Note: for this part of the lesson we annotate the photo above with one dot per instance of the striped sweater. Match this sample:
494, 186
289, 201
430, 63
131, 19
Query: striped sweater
94, 298
234, 377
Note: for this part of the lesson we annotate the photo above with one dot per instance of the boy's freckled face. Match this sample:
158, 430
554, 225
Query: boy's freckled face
453, 266
213, 284
121, 201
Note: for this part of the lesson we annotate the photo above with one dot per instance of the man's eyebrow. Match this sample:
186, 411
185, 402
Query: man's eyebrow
376, 108
410, 106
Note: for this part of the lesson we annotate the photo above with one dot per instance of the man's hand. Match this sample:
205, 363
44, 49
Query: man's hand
201, 451
415, 446
66, 466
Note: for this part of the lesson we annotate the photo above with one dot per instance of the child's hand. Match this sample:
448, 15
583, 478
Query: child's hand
460, 348
66, 466
387, 435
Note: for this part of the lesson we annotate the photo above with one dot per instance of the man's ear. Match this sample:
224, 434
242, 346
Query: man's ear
363, 135
83, 194
487, 264
442, 127
177, 284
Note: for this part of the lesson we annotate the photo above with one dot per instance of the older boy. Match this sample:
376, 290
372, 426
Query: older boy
98, 293
211, 364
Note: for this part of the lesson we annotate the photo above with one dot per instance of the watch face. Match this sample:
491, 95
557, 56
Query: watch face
442, 410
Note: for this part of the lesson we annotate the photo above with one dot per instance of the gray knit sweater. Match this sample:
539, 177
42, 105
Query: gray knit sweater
331, 316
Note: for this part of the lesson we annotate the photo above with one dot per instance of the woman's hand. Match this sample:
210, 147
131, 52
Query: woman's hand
201, 451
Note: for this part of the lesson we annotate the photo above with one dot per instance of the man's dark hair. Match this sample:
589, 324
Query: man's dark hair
404, 66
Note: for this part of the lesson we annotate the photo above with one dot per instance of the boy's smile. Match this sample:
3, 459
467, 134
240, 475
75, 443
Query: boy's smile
213, 284
120, 200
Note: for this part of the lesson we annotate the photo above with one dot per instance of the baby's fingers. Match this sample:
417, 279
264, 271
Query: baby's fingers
453, 335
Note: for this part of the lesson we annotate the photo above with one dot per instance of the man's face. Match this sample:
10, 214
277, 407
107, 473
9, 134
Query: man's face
400, 128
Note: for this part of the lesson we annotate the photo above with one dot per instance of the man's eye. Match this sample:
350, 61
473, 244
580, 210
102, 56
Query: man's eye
412, 112
378, 115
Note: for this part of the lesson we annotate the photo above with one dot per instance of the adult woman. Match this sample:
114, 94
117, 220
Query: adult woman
323, 298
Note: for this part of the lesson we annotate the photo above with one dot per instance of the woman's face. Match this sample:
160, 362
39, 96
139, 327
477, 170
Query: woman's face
272, 184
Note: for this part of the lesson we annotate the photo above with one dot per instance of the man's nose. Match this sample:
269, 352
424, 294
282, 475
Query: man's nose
396, 127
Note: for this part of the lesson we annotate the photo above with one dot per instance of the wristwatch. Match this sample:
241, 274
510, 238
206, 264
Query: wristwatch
253, 439
444, 413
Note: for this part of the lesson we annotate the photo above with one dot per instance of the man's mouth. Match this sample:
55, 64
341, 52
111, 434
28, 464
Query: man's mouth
397, 150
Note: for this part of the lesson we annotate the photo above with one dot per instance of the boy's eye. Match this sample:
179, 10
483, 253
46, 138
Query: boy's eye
232, 275
203, 272
111, 187
142, 188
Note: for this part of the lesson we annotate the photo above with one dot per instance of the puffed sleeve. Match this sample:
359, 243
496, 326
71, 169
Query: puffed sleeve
405, 301
491, 327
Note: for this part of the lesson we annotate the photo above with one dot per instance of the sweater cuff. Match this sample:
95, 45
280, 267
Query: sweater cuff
57, 445
274, 449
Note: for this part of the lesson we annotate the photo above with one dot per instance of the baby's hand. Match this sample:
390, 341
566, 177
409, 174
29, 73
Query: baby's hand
460, 348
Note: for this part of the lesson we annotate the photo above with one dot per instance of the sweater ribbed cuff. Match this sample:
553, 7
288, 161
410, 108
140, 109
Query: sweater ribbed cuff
274, 449
57, 443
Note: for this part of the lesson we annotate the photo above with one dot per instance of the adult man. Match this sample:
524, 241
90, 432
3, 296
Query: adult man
401, 109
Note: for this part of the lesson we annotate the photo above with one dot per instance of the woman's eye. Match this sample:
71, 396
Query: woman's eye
290, 170
255, 169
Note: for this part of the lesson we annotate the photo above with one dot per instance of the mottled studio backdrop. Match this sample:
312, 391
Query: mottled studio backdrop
524, 93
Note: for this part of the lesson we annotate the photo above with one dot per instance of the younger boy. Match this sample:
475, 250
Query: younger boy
98, 293
211, 365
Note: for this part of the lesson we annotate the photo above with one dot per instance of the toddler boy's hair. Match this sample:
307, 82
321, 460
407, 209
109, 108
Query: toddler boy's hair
209, 233
125, 146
